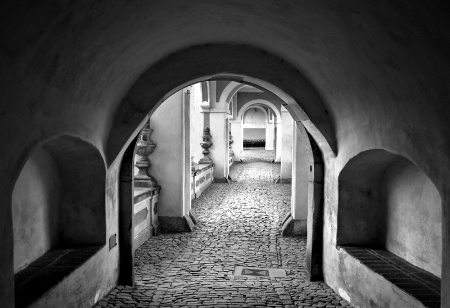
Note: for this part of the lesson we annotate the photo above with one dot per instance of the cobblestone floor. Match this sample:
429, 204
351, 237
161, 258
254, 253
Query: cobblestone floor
239, 226
257, 154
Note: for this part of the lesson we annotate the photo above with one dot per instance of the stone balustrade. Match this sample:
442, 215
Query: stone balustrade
202, 177
145, 214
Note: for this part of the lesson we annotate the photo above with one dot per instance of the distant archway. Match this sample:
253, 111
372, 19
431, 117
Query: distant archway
259, 102
230, 90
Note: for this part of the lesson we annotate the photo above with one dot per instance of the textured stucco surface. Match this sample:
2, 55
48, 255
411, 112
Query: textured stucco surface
255, 118
254, 133
367, 74
167, 159
36, 201
413, 212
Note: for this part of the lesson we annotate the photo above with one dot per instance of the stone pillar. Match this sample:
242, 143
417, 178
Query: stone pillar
197, 122
296, 222
236, 132
219, 151
286, 146
216, 116
278, 141
270, 136
171, 162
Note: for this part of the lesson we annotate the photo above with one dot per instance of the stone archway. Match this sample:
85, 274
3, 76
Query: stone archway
248, 105
165, 78
153, 88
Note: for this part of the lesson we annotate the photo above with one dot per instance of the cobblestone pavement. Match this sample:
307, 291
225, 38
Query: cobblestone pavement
239, 226
257, 154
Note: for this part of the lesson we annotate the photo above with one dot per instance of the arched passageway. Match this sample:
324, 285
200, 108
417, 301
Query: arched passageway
379, 75
179, 127
236, 256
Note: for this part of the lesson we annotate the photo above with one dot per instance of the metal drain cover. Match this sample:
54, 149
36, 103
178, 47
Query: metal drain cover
259, 272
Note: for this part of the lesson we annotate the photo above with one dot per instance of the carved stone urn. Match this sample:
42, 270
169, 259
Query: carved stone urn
230, 142
206, 144
144, 148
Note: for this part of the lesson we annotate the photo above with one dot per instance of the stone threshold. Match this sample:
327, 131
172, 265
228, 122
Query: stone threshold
413, 280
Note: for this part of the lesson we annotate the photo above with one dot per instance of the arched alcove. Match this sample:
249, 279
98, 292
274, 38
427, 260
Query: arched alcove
82, 173
58, 214
387, 202
35, 206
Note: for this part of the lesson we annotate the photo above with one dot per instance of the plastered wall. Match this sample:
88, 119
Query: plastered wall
255, 118
35, 204
254, 133
413, 217
168, 158
386, 201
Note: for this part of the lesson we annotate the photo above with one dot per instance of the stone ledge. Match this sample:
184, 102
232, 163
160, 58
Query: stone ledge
419, 284
176, 224
294, 227
48, 271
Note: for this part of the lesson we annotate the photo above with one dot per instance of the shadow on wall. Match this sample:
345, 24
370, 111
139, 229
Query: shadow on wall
385, 201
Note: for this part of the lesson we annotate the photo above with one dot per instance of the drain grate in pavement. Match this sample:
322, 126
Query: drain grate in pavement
259, 272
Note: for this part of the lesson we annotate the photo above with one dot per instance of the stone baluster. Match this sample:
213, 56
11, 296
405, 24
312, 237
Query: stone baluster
206, 144
144, 148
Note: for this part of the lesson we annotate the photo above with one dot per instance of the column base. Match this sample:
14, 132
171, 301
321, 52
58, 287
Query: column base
222, 180
145, 183
205, 160
313, 275
194, 217
285, 181
176, 224
293, 227
156, 229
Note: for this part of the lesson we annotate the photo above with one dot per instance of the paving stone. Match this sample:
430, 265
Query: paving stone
240, 225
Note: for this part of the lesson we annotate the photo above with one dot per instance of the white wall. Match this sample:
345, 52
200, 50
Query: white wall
169, 158
255, 118
413, 217
197, 122
302, 176
287, 130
